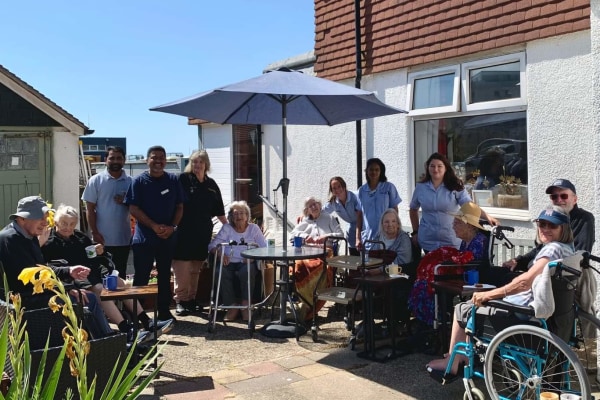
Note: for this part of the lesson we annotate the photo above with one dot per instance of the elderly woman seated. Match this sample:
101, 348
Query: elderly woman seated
554, 231
315, 228
394, 238
235, 267
67, 243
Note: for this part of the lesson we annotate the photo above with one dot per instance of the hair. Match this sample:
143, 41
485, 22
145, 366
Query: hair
308, 200
155, 149
371, 161
342, 183
199, 154
116, 149
65, 211
566, 233
238, 204
451, 181
389, 211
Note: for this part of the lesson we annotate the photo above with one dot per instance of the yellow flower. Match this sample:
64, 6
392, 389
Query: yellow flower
15, 298
54, 306
28, 274
74, 370
50, 217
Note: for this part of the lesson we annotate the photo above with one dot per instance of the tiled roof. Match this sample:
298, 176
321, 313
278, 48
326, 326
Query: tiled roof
404, 33
44, 99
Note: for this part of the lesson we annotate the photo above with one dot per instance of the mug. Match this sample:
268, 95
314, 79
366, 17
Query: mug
548, 396
298, 241
110, 282
270, 242
471, 277
569, 396
393, 269
90, 251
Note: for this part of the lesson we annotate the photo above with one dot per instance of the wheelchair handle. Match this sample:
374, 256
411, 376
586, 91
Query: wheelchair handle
560, 266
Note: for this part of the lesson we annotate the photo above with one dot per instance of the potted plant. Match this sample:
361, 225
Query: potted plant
509, 193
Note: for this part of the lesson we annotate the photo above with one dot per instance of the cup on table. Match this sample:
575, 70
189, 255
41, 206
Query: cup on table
110, 282
569, 396
548, 396
471, 277
298, 242
270, 242
90, 251
393, 269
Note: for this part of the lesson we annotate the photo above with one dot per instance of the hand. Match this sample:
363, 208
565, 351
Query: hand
99, 249
493, 221
97, 237
358, 244
510, 264
164, 231
79, 272
415, 239
43, 238
225, 259
479, 298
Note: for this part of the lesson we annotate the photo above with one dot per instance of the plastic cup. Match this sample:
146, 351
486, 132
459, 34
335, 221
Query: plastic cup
90, 251
110, 282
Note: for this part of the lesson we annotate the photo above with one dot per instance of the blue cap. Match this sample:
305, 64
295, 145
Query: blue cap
562, 184
32, 207
556, 217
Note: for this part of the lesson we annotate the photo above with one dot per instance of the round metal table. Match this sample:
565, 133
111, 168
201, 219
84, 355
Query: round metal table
283, 327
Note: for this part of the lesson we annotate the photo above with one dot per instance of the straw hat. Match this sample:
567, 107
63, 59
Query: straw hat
469, 213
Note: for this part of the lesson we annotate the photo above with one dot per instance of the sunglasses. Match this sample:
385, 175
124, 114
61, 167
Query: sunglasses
563, 196
546, 225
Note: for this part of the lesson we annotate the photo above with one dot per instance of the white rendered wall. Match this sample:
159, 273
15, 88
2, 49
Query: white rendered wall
65, 178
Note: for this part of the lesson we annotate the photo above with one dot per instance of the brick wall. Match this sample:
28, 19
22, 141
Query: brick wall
403, 33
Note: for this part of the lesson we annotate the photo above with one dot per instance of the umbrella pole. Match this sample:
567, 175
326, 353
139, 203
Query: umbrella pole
285, 181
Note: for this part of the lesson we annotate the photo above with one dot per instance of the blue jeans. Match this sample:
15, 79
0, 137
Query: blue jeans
94, 307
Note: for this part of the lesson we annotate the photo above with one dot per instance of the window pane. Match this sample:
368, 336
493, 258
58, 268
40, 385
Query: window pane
482, 149
435, 91
497, 82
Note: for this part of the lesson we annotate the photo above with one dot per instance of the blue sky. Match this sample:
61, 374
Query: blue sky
106, 62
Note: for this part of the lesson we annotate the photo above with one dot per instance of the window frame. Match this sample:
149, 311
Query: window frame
431, 73
490, 62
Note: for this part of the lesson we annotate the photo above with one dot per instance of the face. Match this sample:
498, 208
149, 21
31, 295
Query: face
461, 229
564, 198
437, 170
65, 226
157, 162
115, 161
33, 227
548, 231
198, 166
240, 216
313, 209
373, 172
390, 225
337, 189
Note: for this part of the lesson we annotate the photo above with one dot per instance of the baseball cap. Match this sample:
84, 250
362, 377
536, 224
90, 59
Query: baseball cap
550, 214
561, 183
31, 207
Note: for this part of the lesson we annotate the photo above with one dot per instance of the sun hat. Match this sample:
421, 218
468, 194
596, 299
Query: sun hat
31, 207
554, 216
469, 213
561, 183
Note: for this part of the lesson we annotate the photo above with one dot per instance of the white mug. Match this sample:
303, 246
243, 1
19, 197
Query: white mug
569, 396
393, 269
90, 251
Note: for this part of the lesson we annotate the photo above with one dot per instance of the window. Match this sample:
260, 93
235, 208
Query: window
434, 91
487, 150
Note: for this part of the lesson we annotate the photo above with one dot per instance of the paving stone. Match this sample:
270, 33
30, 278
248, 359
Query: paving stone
294, 362
226, 376
264, 368
313, 370
266, 382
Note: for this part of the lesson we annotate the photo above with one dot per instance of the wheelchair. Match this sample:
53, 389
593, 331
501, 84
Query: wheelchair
519, 361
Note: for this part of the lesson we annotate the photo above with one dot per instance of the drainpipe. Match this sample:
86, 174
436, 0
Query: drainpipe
357, 85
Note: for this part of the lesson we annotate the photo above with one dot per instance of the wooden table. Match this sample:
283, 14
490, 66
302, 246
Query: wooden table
134, 293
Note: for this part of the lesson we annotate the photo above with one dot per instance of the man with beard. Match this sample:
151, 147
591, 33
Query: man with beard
107, 215
155, 200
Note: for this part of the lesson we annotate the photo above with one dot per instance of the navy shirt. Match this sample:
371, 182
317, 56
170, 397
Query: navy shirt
157, 198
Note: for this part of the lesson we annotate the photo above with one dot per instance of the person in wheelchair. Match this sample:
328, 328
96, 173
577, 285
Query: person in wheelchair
554, 232
238, 232
67, 243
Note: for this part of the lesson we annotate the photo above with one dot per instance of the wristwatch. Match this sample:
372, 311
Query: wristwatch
174, 228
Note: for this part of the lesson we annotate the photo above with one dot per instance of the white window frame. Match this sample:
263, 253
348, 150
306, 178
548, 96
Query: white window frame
430, 73
490, 62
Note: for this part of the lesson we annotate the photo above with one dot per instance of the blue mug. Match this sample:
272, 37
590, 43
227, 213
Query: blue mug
471, 277
298, 241
110, 282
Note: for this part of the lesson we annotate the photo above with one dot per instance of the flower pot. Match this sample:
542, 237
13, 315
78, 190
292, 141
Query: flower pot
510, 200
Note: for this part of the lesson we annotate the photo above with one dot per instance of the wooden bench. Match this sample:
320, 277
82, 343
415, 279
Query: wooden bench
502, 253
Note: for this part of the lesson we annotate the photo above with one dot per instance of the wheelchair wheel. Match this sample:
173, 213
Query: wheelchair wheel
476, 393
522, 361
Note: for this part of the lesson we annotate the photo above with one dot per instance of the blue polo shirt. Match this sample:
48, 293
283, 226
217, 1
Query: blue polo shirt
157, 198
346, 212
435, 227
112, 219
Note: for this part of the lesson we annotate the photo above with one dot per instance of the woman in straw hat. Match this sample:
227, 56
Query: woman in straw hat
467, 227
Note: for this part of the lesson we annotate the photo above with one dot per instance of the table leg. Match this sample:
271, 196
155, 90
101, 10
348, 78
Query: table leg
443, 302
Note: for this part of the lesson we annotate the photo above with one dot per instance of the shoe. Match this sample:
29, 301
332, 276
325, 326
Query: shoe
181, 309
165, 316
161, 326
444, 378
232, 315
141, 336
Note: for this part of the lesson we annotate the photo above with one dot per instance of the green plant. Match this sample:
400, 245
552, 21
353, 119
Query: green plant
122, 384
509, 184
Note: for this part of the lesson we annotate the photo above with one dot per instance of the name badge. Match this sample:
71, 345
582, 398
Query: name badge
164, 191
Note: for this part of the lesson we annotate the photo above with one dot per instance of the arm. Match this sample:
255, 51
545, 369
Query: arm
414, 222
359, 224
223, 219
489, 218
90, 213
143, 219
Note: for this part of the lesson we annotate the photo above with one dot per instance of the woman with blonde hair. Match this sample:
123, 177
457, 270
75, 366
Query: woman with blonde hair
202, 202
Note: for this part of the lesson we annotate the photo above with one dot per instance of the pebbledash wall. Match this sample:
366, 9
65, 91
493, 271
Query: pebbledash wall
562, 126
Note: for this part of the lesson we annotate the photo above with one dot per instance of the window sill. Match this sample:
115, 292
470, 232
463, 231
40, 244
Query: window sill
508, 213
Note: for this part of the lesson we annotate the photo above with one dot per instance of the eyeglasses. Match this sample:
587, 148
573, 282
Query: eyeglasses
313, 205
555, 196
239, 213
546, 225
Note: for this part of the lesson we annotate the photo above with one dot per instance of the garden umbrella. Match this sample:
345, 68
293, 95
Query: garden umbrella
281, 97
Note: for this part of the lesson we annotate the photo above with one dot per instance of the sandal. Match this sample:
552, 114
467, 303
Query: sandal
446, 378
